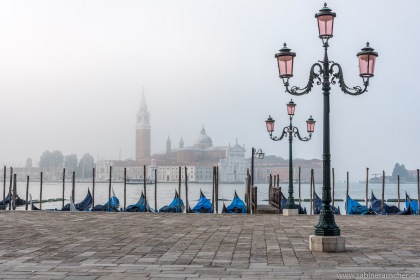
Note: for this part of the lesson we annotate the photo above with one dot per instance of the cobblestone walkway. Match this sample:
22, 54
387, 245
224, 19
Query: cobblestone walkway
56, 245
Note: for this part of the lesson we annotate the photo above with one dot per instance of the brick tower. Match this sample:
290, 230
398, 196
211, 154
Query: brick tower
143, 131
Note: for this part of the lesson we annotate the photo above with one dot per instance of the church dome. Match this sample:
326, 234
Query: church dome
203, 141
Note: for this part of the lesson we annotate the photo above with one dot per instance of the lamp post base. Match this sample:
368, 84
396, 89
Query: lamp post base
290, 212
327, 244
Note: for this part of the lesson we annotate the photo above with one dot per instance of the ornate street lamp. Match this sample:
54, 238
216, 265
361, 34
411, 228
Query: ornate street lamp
326, 73
291, 131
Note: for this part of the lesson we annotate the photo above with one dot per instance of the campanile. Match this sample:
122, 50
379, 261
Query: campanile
143, 131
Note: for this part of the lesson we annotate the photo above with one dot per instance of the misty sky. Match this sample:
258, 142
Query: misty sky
72, 73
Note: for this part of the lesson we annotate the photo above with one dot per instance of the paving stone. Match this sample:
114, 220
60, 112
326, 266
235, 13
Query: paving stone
38, 245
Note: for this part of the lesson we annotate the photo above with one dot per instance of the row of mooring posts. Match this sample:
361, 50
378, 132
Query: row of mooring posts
13, 188
274, 180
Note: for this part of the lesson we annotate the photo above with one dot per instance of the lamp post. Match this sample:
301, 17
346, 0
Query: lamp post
290, 131
255, 154
326, 72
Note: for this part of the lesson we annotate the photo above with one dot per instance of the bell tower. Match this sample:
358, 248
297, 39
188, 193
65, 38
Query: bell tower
143, 131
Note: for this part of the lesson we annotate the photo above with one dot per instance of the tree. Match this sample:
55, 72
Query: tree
28, 163
45, 160
86, 164
70, 162
57, 159
51, 159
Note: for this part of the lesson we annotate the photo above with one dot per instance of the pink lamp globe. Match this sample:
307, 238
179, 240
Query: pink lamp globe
285, 59
270, 124
325, 19
367, 58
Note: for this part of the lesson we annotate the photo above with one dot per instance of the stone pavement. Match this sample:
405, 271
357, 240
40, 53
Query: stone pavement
83, 245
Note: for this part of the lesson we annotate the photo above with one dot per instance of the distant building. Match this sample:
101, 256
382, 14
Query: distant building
198, 158
143, 127
279, 166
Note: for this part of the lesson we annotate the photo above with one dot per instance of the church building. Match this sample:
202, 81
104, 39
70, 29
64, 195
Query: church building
199, 158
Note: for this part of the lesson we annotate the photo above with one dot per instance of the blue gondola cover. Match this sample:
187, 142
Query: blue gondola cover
355, 208
237, 206
113, 205
19, 201
203, 204
139, 206
175, 205
413, 204
388, 209
85, 205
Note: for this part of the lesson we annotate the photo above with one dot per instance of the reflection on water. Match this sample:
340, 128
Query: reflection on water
165, 192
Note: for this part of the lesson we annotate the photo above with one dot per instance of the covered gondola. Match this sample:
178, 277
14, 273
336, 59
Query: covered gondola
237, 206
224, 209
176, 206
139, 206
203, 205
408, 211
113, 205
318, 206
355, 208
283, 201
85, 205
413, 204
19, 201
189, 210
33, 207
376, 205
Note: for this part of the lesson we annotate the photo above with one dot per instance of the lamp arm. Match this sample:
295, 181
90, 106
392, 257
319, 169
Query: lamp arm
294, 90
284, 133
297, 134
357, 90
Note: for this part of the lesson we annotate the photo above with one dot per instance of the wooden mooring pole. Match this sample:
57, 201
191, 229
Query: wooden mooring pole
186, 190
311, 192
4, 188
333, 187
125, 187
109, 188
383, 192
14, 192
179, 188
418, 191
27, 192
155, 189
246, 190
398, 188
247, 187
144, 188
212, 190
347, 192
217, 189
40, 192
367, 185
299, 188
10, 188
64, 186
93, 186
73, 186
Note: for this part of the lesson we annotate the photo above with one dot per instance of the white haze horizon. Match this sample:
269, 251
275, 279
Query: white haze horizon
72, 75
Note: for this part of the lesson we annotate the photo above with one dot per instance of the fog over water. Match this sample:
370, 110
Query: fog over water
72, 73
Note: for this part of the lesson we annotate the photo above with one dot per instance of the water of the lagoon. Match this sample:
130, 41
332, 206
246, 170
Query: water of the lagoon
165, 192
